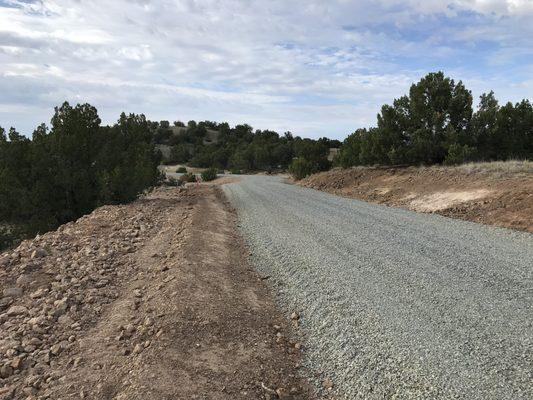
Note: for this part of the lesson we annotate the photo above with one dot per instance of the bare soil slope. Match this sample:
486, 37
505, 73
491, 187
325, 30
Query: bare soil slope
496, 194
151, 300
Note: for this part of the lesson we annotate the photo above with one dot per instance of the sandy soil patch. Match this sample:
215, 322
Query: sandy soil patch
171, 169
443, 200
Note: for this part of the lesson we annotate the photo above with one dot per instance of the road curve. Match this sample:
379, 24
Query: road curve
395, 304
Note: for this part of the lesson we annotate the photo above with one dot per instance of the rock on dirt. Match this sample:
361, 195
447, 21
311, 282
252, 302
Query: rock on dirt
87, 312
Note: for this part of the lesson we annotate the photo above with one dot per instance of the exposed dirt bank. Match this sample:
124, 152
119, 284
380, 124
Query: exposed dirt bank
492, 194
151, 300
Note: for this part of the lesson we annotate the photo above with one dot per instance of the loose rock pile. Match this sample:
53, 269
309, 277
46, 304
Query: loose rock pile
55, 286
150, 300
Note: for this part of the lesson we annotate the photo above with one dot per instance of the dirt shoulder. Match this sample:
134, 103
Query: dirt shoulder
151, 300
498, 194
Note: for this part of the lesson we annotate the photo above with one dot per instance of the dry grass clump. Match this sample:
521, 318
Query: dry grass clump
501, 168
492, 168
496, 169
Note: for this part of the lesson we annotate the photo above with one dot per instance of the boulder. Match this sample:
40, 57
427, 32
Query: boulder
5, 302
60, 307
6, 371
12, 292
39, 252
23, 280
38, 293
16, 310
56, 349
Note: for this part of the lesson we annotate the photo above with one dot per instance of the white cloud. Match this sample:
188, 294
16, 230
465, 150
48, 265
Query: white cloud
315, 68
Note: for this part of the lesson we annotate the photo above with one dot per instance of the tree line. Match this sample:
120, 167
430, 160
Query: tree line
76, 165
66, 171
210, 144
435, 124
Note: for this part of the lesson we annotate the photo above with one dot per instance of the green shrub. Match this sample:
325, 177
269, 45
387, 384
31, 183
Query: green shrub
67, 171
235, 171
188, 177
170, 181
300, 168
181, 170
458, 154
209, 174
7, 238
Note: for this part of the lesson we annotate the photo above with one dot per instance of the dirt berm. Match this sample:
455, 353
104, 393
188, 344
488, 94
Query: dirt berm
150, 300
498, 194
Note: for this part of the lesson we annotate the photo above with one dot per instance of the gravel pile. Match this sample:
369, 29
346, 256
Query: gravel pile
395, 304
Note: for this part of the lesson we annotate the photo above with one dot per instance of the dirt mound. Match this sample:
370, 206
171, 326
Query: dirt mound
493, 194
151, 300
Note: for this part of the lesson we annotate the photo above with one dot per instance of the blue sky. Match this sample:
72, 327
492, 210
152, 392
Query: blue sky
314, 67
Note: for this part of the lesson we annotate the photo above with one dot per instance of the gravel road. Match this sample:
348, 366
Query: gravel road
395, 304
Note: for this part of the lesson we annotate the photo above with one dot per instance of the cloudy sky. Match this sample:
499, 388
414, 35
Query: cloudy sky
313, 67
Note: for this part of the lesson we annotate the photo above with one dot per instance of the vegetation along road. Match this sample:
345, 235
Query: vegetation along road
395, 304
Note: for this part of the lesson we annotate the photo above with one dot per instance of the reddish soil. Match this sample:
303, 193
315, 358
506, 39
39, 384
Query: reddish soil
488, 197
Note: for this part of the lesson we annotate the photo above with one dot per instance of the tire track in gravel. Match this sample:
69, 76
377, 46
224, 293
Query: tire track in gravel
395, 304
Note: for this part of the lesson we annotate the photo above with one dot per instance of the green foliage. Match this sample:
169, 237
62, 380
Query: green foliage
316, 152
235, 171
311, 157
181, 170
300, 168
435, 124
7, 237
78, 165
188, 177
134, 168
209, 174
241, 148
179, 154
170, 181
458, 154
162, 135
208, 144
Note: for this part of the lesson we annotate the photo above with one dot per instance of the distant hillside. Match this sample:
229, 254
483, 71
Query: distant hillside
207, 144
211, 135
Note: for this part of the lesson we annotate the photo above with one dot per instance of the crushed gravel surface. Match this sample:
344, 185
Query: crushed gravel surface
395, 304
